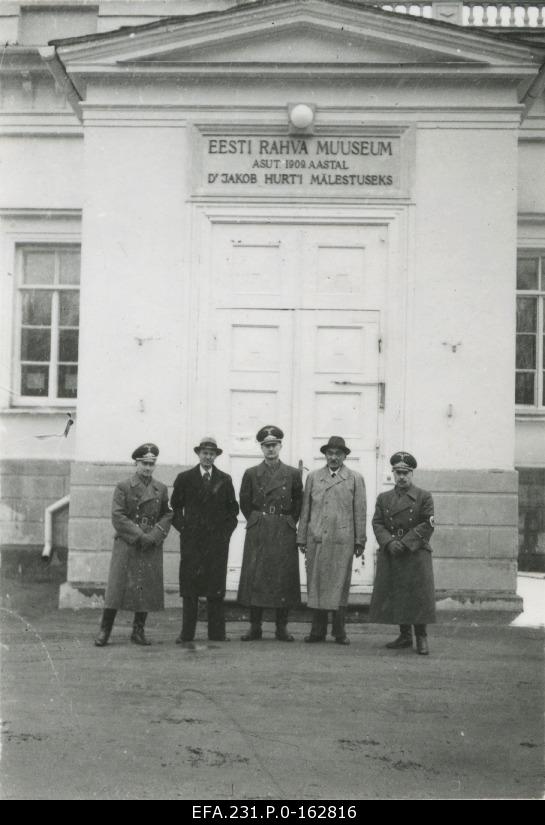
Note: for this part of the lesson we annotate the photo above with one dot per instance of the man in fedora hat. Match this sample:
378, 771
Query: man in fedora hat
205, 514
270, 499
141, 518
331, 532
403, 523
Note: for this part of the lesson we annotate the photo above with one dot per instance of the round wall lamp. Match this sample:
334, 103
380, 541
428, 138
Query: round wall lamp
301, 116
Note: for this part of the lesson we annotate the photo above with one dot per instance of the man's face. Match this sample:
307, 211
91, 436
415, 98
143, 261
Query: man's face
145, 467
271, 450
403, 478
207, 456
335, 458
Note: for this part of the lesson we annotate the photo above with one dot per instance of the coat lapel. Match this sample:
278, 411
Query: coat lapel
328, 481
400, 503
276, 480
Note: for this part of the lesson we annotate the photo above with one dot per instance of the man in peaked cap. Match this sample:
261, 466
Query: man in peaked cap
205, 514
141, 518
403, 523
331, 532
270, 499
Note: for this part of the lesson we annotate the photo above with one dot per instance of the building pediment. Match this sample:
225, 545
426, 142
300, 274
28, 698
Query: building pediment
292, 31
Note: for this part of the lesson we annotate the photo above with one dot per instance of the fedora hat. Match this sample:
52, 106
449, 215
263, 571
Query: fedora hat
335, 443
208, 443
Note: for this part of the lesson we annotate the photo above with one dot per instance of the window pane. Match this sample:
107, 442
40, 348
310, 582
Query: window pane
67, 381
524, 388
69, 266
526, 352
527, 272
34, 380
69, 309
38, 267
35, 344
68, 345
526, 314
37, 307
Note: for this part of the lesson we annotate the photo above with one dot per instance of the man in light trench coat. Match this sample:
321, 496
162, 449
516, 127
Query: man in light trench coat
331, 531
141, 519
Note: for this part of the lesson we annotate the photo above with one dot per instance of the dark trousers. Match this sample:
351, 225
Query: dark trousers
256, 617
216, 618
108, 619
319, 623
419, 630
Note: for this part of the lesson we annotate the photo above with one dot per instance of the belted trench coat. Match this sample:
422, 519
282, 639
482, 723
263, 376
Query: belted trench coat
332, 522
135, 581
271, 504
404, 590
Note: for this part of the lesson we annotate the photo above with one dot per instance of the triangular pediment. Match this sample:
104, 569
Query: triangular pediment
287, 32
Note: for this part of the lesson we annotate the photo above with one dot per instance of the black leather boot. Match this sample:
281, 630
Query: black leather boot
255, 633
106, 624
405, 638
421, 639
282, 625
138, 637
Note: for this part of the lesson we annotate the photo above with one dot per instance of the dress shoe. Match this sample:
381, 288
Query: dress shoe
312, 639
422, 646
219, 639
138, 637
253, 635
284, 636
342, 640
401, 641
102, 638
181, 641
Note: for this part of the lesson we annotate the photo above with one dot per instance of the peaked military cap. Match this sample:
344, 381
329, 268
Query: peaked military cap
403, 461
208, 443
269, 435
149, 451
335, 443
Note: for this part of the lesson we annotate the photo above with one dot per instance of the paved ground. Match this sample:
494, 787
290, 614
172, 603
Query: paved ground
266, 720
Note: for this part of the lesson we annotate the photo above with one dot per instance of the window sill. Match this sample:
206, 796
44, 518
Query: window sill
39, 410
530, 415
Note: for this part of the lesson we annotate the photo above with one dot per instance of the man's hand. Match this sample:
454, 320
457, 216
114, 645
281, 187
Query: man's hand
358, 551
396, 547
302, 548
147, 542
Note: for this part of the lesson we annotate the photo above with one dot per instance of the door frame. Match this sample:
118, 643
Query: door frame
396, 314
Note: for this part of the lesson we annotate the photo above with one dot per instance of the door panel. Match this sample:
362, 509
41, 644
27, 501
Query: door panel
287, 351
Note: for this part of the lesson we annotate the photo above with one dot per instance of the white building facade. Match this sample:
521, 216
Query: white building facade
314, 213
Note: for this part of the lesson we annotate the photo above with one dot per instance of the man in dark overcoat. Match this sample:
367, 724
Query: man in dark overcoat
403, 523
205, 513
141, 518
270, 499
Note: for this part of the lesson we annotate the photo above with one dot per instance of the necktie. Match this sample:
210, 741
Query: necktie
206, 477
333, 475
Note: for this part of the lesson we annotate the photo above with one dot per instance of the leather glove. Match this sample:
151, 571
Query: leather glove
396, 547
147, 542
358, 551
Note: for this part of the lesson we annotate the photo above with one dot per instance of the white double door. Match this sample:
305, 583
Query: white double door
290, 329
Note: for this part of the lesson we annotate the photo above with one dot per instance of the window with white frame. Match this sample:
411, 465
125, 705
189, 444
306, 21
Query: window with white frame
530, 361
48, 328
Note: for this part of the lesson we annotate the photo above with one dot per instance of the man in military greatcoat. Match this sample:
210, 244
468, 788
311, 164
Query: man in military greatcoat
331, 532
270, 500
205, 513
403, 523
141, 518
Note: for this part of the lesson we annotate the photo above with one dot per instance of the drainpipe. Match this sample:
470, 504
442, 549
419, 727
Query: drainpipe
48, 524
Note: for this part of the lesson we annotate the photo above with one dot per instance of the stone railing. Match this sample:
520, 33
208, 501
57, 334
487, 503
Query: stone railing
489, 15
